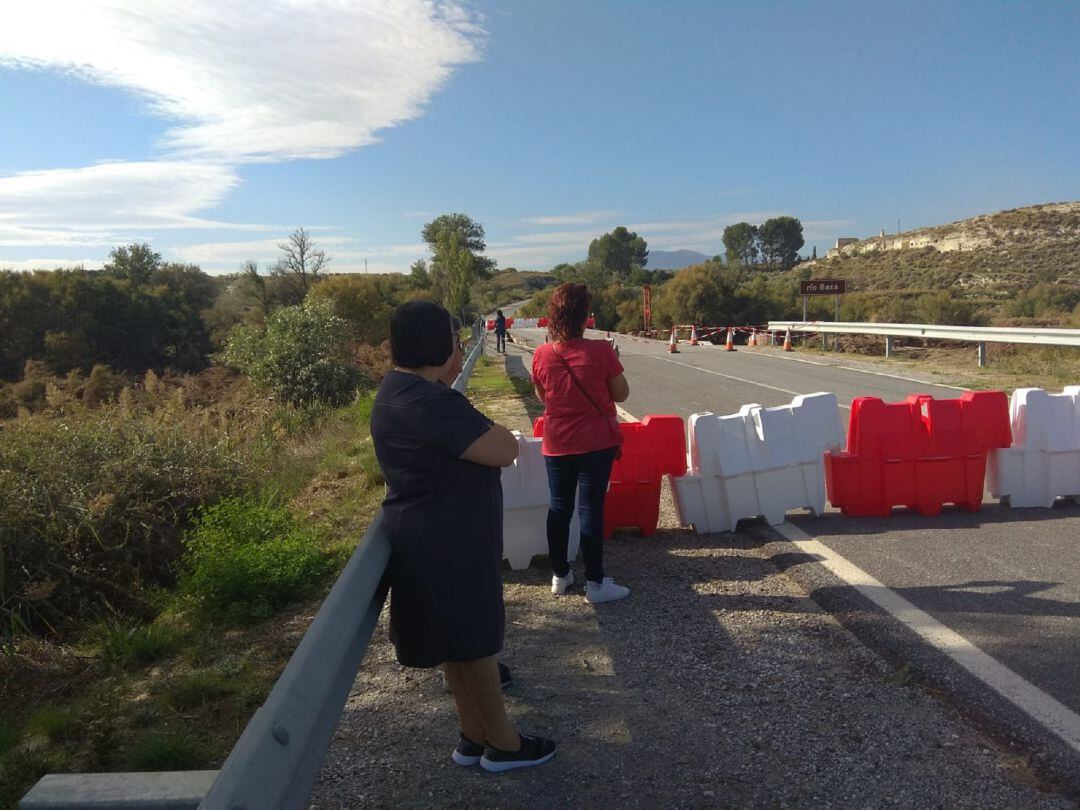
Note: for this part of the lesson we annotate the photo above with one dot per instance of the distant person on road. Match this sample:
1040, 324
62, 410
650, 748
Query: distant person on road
579, 381
443, 510
500, 331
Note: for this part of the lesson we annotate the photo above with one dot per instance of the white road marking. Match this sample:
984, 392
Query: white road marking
1034, 702
861, 371
732, 377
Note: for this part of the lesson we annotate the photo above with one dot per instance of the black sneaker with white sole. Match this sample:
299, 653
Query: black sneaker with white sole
467, 752
533, 751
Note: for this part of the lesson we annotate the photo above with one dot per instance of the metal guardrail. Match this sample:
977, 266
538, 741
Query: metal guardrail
972, 334
477, 348
277, 759
980, 335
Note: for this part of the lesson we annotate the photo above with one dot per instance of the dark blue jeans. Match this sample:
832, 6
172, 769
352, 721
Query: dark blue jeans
588, 473
500, 341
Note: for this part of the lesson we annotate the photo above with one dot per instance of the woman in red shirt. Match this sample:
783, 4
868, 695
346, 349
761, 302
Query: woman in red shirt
579, 381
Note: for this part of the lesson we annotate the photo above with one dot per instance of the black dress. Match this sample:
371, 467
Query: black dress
444, 516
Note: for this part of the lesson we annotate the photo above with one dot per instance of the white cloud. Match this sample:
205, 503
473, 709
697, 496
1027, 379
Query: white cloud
582, 237
254, 80
107, 203
118, 194
49, 264
581, 218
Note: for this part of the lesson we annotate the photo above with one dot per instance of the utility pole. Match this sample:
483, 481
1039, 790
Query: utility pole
365, 267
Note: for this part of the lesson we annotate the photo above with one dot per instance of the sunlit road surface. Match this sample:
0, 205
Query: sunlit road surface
1002, 582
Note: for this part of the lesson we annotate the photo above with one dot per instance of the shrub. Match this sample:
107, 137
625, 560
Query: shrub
125, 642
9, 736
300, 354
200, 688
166, 752
246, 560
93, 509
9, 405
103, 385
53, 723
20, 768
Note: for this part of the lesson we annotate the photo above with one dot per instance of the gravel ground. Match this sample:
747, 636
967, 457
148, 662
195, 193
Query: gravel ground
718, 683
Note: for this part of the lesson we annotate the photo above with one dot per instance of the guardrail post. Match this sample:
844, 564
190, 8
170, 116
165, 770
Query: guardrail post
982, 354
888, 346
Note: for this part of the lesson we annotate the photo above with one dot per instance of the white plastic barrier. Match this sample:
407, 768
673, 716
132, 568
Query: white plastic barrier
1044, 460
759, 461
525, 506
525, 323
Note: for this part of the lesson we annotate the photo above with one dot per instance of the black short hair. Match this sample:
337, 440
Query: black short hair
420, 335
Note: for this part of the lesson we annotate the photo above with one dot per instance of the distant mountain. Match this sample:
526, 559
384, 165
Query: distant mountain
675, 259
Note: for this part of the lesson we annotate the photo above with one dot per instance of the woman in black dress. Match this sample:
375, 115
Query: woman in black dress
441, 459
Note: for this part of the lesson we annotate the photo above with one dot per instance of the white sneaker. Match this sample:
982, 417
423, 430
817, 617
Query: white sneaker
606, 591
560, 584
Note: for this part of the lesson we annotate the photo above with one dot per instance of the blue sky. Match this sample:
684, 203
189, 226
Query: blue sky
212, 130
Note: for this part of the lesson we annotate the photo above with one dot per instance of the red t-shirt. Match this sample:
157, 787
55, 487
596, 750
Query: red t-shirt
572, 424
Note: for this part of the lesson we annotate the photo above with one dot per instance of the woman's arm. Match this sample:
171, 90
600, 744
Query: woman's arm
619, 388
496, 448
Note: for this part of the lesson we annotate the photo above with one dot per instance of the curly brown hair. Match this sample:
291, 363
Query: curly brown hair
568, 309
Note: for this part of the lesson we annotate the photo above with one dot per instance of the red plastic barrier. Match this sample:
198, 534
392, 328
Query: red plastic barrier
491, 325
509, 322
921, 453
652, 448
541, 322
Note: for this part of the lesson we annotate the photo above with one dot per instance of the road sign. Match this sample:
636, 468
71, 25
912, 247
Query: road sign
822, 286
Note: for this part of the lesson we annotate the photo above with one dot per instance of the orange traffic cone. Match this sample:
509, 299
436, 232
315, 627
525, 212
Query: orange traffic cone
753, 338
730, 345
693, 335
787, 342
673, 346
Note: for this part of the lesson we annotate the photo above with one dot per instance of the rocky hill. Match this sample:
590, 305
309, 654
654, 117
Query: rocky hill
991, 260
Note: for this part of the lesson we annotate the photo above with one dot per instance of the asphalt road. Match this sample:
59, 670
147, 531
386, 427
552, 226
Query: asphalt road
1006, 581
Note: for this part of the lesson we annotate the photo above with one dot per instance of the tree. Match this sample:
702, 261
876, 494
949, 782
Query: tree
459, 265
619, 252
470, 235
365, 302
244, 300
419, 276
695, 295
781, 240
135, 262
456, 242
301, 261
741, 244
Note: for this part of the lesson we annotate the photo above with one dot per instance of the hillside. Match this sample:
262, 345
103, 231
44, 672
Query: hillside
1024, 262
